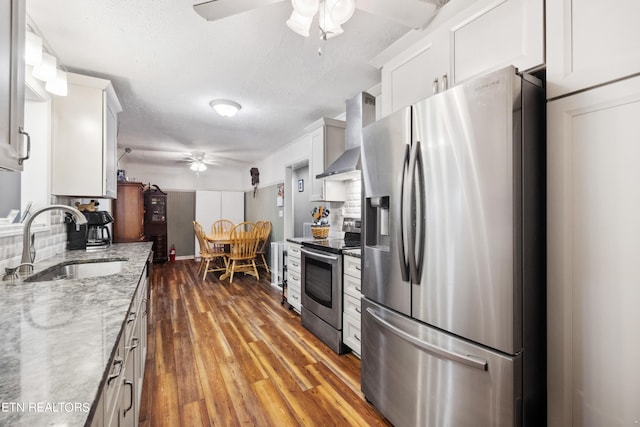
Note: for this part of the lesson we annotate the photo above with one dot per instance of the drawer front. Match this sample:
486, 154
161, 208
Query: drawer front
294, 265
351, 333
352, 286
352, 306
293, 280
293, 251
352, 266
294, 299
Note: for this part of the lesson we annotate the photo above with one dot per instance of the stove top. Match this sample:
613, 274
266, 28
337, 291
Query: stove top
351, 240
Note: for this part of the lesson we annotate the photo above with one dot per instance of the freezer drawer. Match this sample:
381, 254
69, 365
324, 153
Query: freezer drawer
419, 376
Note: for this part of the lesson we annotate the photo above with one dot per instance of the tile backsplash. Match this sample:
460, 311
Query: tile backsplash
351, 208
49, 241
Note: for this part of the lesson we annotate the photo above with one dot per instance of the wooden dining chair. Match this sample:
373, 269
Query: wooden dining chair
242, 253
221, 226
263, 240
209, 253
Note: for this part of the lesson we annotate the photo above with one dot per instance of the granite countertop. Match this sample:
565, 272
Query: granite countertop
300, 240
58, 337
354, 252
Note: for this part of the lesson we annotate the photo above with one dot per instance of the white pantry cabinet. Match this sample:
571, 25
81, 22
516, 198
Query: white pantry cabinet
590, 43
12, 27
593, 206
84, 143
484, 36
214, 205
327, 144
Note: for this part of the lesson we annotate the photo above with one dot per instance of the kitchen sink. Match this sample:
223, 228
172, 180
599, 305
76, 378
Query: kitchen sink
78, 270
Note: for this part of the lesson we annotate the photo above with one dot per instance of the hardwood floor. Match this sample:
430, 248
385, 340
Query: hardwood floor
231, 354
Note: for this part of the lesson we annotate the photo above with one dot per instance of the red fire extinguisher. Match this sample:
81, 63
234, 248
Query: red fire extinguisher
172, 253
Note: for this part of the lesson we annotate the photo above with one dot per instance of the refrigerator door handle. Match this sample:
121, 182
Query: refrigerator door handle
469, 359
417, 192
399, 225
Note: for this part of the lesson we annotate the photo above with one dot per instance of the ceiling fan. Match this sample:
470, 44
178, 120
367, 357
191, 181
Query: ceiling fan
411, 13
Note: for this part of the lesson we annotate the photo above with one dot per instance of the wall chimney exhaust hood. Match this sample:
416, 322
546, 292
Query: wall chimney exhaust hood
361, 111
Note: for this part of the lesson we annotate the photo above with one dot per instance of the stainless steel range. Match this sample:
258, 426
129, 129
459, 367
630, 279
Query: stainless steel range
322, 284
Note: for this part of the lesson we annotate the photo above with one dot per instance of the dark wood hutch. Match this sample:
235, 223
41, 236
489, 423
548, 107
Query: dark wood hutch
155, 221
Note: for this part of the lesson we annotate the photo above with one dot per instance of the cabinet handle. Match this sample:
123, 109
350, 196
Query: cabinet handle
356, 337
294, 296
445, 82
135, 341
116, 364
22, 159
358, 289
132, 317
358, 310
295, 264
434, 86
358, 268
130, 384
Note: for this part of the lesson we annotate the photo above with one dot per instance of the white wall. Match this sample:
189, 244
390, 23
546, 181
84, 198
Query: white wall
182, 178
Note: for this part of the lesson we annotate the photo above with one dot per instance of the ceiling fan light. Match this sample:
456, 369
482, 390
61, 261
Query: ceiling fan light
58, 86
46, 70
32, 49
340, 10
299, 23
306, 8
198, 167
225, 107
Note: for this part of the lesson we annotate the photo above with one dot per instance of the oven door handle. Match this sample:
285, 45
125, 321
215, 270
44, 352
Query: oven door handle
316, 254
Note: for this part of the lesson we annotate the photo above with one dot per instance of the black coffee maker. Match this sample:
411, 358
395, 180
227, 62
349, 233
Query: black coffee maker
94, 235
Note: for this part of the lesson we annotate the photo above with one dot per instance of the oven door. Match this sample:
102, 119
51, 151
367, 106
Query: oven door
322, 285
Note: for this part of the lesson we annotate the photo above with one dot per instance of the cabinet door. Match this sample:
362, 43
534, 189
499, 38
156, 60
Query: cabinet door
316, 164
593, 208
110, 150
12, 19
498, 33
77, 149
588, 44
415, 74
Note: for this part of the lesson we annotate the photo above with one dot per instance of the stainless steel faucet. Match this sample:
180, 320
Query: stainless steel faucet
26, 237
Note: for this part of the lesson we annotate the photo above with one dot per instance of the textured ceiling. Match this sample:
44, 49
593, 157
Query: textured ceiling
166, 63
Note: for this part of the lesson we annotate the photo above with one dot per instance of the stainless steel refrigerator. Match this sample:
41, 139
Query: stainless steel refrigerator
453, 313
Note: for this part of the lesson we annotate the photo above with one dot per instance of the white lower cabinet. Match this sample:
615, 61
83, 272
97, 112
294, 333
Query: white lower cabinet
351, 315
294, 274
593, 207
120, 401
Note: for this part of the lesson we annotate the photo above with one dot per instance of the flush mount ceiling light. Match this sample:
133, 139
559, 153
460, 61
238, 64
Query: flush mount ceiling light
32, 49
58, 86
46, 70
332, 14
225, 107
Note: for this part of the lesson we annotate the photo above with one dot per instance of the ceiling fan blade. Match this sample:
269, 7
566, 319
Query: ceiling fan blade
411, 13
213, 10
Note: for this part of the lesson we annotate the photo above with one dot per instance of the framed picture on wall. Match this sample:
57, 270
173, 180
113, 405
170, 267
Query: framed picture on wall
300, 185
280, 196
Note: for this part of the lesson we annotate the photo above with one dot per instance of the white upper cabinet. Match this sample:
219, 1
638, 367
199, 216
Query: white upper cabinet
416, 73
590, 43
327, 143
12, 139
495, 34
481, 36
84, 139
